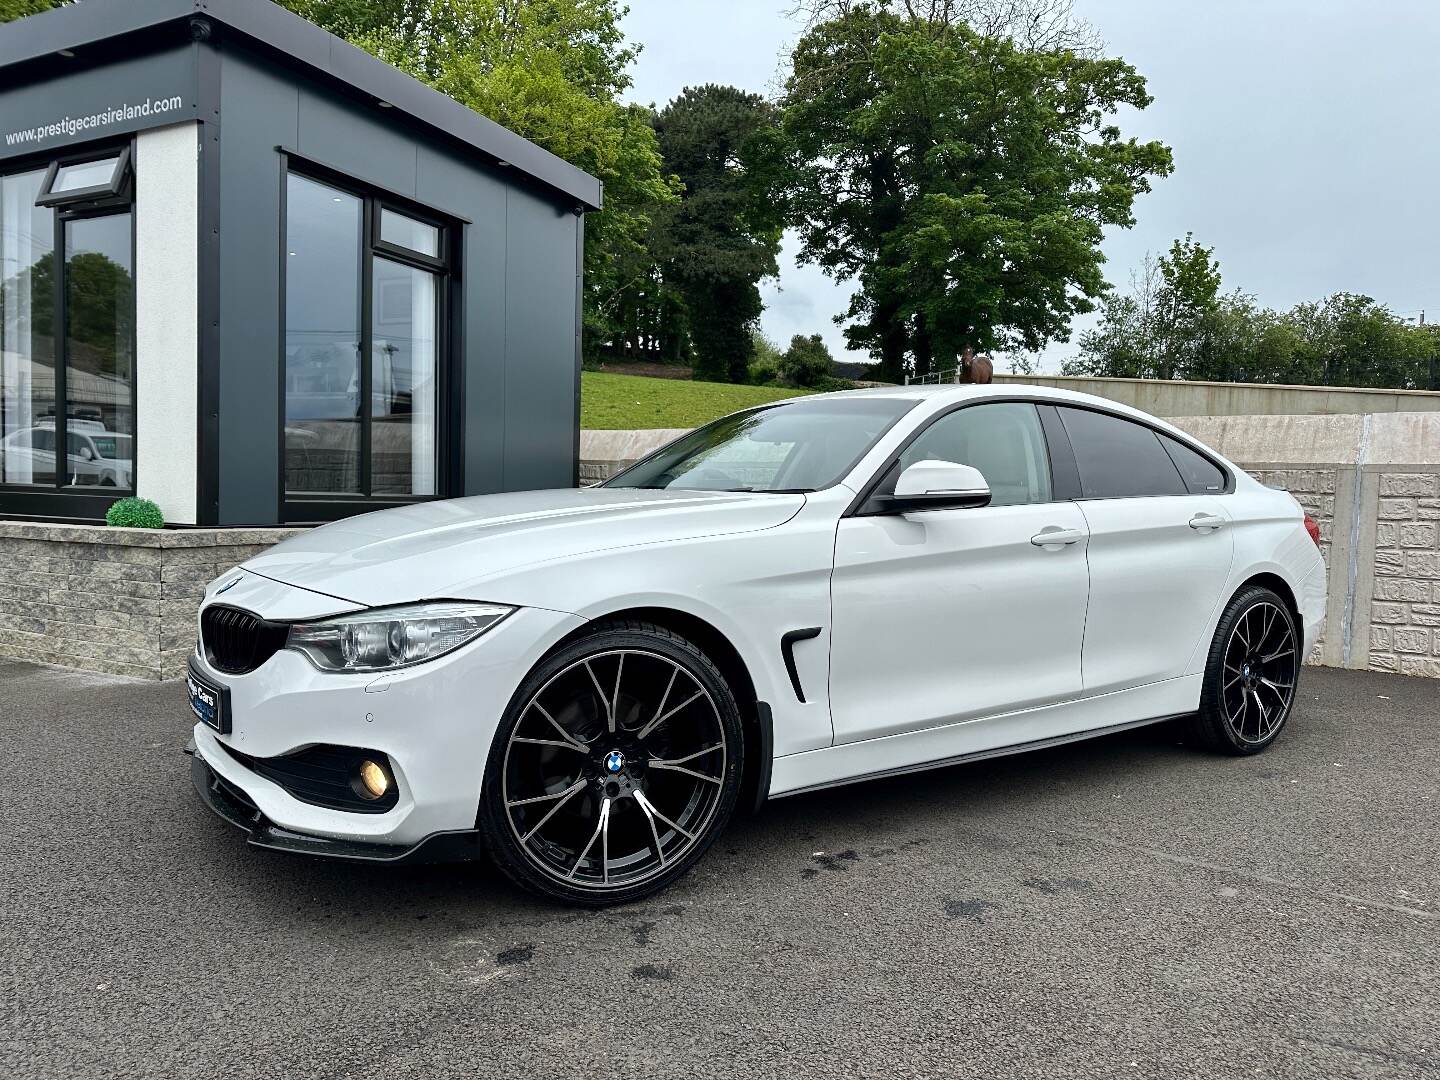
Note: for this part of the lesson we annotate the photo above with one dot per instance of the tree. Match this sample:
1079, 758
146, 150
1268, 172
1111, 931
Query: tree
962, 179
1033, 25
721, 239
1168, 326
10, 10
1174, 324
765, 365
1350, 340
806, 361
553, 71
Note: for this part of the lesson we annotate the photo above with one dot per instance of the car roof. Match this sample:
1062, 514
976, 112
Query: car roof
948, 393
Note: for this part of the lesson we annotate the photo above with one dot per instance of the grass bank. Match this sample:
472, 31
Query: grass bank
626, 402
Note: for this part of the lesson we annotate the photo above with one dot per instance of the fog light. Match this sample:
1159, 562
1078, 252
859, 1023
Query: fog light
374, 780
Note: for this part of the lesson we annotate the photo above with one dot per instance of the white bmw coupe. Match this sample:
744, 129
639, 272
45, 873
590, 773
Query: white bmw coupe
586, 684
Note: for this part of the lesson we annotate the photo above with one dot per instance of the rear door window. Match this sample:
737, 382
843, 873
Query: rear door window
1119, 459
1201, 475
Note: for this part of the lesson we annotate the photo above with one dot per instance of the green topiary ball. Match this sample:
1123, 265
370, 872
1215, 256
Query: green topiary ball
135, 514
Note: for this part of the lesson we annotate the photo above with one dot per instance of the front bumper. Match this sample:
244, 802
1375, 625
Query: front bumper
230, 803
434, 722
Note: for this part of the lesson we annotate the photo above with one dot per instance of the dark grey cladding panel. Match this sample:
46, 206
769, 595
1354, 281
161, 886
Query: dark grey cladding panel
77, 26
82, 104
339, 133
540, 343
515, 356
259, 112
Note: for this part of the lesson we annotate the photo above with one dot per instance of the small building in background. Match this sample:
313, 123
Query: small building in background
256, 275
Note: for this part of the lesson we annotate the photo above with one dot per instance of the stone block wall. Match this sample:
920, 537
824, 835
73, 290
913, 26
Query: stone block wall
1314, 489
1405, 600
120, 601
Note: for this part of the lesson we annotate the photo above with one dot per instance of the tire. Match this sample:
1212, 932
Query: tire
616, 765
1251, 675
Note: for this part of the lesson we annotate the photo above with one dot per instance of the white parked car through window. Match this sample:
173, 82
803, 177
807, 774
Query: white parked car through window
587, 684
95, 456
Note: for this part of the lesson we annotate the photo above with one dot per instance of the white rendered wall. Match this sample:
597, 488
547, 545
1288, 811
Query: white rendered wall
167, 326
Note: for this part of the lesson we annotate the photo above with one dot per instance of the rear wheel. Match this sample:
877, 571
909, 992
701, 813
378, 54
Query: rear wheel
1251, 675
616, 765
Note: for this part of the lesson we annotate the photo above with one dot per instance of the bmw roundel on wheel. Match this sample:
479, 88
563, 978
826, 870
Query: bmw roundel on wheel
586, 685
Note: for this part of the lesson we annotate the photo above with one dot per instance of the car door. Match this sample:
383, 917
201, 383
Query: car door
945, 616
1160, 548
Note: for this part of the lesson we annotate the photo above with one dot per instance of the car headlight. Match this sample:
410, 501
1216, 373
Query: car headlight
386, 638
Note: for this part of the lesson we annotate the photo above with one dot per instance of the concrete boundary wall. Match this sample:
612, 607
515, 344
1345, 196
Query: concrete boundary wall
1161, 397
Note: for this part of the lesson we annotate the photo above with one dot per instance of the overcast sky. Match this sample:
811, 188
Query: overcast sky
1306, 136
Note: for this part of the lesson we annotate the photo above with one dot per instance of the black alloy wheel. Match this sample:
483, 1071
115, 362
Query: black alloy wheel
1251, 675
616, 765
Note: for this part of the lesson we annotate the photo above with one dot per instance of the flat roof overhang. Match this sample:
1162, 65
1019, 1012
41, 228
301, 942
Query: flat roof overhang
305, 46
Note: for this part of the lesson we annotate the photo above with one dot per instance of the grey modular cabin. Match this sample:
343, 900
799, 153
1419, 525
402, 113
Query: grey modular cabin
256, 275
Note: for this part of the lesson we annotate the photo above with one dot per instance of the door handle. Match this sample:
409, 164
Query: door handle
1207, 521
1056, 537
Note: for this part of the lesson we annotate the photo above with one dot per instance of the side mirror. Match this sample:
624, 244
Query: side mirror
939, 485
87, 454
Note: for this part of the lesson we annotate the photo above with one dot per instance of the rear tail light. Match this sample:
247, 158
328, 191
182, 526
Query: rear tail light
1313, 528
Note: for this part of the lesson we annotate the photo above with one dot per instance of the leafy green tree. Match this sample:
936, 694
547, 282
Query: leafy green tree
963, 180
721, 239
765, 362
1175, 324
1169, 326
806, 361
11, 10
1350, 340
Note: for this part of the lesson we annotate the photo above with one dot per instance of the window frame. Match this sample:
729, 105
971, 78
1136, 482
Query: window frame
117, 189
1227, 482
1161, 434
304, 508
1064, 466
61, 501
400, 253
869, 502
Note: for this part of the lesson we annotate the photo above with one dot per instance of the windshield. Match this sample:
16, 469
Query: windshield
801, 445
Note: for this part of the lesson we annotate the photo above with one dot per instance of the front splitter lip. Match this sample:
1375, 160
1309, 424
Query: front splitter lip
455, 845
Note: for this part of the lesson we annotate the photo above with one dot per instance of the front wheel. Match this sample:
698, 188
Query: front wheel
1251, 675
616, 765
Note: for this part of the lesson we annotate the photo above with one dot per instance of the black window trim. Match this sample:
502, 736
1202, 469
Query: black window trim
80, 503
399, 252
311, 508
1166, 439
116, 189
1064, 467
1161, 434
